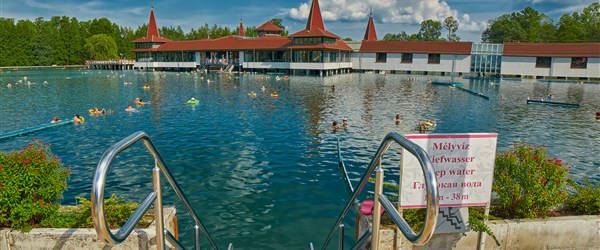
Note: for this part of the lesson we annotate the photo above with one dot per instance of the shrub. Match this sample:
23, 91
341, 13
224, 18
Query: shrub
31, 182
117, 213
585, 199
527, 183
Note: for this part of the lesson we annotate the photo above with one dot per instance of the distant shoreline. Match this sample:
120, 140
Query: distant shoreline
42, 67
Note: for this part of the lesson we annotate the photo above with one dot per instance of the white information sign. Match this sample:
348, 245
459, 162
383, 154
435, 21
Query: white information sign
464, 167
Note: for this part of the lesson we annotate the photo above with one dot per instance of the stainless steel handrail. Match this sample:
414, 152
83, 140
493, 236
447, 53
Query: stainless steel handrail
430, 184
97, 198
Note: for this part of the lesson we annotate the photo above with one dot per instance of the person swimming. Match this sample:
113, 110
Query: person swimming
426, 125
129, 109
344, 122
78, 119
139, 101
192, 101
95, 111
335, 126
397, 119
56, 119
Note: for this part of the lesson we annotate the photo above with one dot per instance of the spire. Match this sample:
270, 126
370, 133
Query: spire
241, 31
370, 34
315, 21
152, 29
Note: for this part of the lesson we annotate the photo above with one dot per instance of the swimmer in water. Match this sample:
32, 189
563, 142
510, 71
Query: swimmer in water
397, 119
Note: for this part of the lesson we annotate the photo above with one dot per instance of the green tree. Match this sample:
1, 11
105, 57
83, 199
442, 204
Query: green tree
580, 27
101, 47
7, 29
451, 25
590, 17
527, 25
430, 30
278, 22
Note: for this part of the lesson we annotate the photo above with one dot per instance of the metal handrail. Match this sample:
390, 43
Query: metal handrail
97, 198
430, 184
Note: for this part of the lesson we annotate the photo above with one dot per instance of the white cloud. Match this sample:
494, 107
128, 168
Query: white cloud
387, 11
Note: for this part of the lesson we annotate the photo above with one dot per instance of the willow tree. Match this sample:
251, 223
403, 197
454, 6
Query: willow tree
101, 47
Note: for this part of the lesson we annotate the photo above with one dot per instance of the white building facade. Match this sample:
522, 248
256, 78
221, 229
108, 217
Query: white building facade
551, 60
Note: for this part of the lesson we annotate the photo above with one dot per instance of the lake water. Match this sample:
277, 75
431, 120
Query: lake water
262, 172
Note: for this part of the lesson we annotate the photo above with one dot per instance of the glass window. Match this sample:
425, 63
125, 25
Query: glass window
381, 57
542, 62
433, 58
579, 62
407, 58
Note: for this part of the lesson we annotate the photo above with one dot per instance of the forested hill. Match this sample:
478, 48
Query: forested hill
67, 41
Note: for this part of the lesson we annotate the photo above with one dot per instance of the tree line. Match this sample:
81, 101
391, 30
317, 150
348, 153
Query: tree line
68, 41
527, 25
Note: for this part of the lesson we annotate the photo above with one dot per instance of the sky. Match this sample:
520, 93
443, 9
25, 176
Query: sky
345, 18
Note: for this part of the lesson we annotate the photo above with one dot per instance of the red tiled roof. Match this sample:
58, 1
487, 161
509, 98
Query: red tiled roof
314, 33
269, 26
315, 21
552, 49
228, 43
370, 34
241, 30
452, 48
152, 34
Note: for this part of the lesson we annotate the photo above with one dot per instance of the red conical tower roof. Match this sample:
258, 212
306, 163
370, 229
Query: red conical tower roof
315, 21
152, 29
370, 34
241, 31
152, 34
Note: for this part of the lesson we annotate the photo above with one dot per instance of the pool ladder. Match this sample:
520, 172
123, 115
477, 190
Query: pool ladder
372, 233
97, 199
162, 235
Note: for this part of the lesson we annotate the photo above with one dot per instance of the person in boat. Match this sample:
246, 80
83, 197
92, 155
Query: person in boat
335, 126
426, 125
397, 119
344, 122
55, 119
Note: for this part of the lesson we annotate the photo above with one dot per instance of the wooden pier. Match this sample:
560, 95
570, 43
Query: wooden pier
110, 64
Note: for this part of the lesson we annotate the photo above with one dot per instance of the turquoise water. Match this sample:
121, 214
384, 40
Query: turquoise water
262, 172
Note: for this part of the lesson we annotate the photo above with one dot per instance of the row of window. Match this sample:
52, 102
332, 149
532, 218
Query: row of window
408, 58
488, 63
312, 56
576, 62
313, 40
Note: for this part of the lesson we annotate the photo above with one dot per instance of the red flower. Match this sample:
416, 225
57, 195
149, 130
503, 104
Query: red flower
535, 157
557, 182
543, 180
